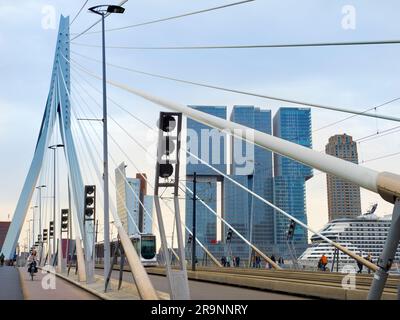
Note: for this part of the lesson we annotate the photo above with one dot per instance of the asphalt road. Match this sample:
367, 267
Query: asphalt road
209, 291
10, 285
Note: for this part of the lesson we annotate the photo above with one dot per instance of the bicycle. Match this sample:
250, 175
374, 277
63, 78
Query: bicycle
32, 269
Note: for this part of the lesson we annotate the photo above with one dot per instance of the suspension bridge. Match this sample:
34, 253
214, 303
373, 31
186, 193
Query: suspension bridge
75, 122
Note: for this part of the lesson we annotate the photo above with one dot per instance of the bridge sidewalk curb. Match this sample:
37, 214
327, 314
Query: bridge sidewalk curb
23, 285
81, 286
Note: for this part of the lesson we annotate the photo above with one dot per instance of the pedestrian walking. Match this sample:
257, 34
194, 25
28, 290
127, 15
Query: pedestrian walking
323, 261
223, 261
237, 261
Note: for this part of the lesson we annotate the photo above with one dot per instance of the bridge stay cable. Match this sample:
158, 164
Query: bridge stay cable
78, 13
94, 161
341, 248
142, 280
147, 181
173, 17
220, 218
244, 46
247, 93
76, 36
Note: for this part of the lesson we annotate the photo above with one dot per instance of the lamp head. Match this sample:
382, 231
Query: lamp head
115, 9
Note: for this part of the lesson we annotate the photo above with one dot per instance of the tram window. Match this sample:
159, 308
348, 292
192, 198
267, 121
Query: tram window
148, 247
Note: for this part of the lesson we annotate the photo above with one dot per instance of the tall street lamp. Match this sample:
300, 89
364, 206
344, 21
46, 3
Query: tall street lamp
40, 208
54, 148
105, 10
33, 224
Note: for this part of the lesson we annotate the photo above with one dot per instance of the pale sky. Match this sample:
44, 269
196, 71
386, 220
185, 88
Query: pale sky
349, 77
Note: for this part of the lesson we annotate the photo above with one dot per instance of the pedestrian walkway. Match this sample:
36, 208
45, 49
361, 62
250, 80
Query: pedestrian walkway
10, 285
36, 289
128, 290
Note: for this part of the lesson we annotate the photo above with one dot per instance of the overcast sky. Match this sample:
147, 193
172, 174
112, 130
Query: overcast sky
351, 77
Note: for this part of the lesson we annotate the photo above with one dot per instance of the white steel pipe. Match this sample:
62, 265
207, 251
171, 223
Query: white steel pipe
385, 183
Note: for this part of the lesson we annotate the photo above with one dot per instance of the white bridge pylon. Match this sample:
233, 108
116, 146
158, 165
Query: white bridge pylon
57, 108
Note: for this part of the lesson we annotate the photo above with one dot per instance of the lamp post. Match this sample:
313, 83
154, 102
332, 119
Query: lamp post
40, 209
105, 10
54, 148
33, 224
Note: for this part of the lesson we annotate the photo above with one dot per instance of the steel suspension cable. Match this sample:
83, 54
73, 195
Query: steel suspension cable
341, 248
174, 17
245, 46
129, 159
247, 93
78, 13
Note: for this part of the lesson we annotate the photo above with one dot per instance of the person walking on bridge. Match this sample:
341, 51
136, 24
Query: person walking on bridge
2, 259
323, 262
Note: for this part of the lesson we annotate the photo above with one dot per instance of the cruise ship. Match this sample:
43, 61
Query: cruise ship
363, 235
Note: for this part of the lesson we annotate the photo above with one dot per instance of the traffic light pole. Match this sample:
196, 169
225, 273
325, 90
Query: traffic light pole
54, 199
167, 165
194, 224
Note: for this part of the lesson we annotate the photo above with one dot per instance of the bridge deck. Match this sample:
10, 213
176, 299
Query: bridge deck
10, 285
211, 291
34, 290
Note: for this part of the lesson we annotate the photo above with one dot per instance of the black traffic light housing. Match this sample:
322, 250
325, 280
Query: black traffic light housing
166, 145
45, 234
64, 219
90, 203
190, 238
290, 232
229, 235
51, 233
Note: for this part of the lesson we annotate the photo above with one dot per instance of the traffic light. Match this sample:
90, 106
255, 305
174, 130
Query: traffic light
90, 201
166, 145
229, 235
44, 234
64, 219
190, 238
290, 232
39, 237
51, 229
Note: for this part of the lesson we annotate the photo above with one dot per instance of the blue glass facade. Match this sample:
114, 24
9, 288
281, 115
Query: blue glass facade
206, 222
293, 124
206, 143
255, 172
209, 145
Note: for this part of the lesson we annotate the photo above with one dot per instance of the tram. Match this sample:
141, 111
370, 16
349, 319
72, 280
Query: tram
145, 245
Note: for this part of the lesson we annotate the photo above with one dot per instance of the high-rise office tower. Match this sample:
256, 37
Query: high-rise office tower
251, 167
344, 199
209, 145
148, 215
130, 197
292, 124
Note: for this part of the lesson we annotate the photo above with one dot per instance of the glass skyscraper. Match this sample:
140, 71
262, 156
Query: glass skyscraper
251, 167
209, 145
292, 124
